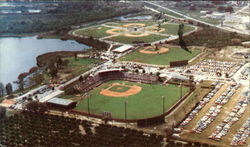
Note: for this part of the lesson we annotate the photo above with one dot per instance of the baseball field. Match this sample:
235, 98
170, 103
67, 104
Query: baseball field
158, 57
131, 32
95, 31
143, 100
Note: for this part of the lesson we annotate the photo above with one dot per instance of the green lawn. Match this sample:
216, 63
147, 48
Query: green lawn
96, 31
147, 103
172, 29
146, 39
80, 61
174, 54
79, 66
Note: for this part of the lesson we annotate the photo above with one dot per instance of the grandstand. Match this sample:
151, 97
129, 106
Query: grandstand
102, 77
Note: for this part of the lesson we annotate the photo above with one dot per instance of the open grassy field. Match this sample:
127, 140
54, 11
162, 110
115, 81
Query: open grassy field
172, 29
174, 54
95, 31
76, 67
147, 103
147, 39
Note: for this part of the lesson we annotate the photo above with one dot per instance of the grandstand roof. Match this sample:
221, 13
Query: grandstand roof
122, 48
60, 101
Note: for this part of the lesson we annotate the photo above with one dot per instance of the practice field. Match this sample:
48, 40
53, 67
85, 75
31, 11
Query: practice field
95, 31
143, 100
131, 32
173, 54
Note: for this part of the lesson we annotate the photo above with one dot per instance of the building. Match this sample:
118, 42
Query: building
61, 103
123, 49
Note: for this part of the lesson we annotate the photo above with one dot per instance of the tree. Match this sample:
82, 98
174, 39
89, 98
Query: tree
59, 62
229, 9
193, 8
2, 112
52, 70
221, 8
20, 81
181, 41
33, 69
36, 107
156, 47
9, 89
37, 79
65, 62
159, 26
2, 90
75, 56
81, 78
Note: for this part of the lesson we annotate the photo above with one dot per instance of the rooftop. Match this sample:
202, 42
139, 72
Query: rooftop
60, 101
122, 48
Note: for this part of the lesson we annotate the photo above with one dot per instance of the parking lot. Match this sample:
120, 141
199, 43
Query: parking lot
218, 122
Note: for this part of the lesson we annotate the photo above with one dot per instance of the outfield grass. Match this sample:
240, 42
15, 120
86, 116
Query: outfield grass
174, 54
146, 39
147, 103
172, 29
95, 31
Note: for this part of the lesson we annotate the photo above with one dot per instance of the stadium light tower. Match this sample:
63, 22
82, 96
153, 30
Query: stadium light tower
163, 104
180, 90
88, 104
125, 104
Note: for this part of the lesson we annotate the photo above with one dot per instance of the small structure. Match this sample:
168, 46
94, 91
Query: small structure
123, 49
61, 103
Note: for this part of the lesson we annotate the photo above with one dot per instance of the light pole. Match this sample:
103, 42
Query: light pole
88, 105
163, 104
125, 104
180, 90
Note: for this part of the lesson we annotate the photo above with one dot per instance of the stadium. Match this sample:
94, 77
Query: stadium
142, 96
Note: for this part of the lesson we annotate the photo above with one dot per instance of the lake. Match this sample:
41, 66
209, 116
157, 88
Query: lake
18, 55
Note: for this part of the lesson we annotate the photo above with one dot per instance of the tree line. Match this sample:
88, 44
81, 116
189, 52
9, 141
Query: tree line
7, 89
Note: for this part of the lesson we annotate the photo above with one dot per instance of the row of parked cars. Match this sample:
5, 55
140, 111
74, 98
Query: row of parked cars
217, 85
213, 67
233, 116
33, 95
241, 136
215, 109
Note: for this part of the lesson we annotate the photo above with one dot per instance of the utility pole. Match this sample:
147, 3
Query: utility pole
125, 104
88, 104
180, 90
163, 104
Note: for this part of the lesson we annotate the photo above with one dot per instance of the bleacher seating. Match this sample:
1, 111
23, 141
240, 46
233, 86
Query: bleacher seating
97, 80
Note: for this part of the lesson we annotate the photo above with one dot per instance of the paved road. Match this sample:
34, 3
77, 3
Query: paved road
196, 20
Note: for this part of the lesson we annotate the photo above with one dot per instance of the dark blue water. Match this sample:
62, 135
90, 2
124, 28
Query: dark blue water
18, 55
